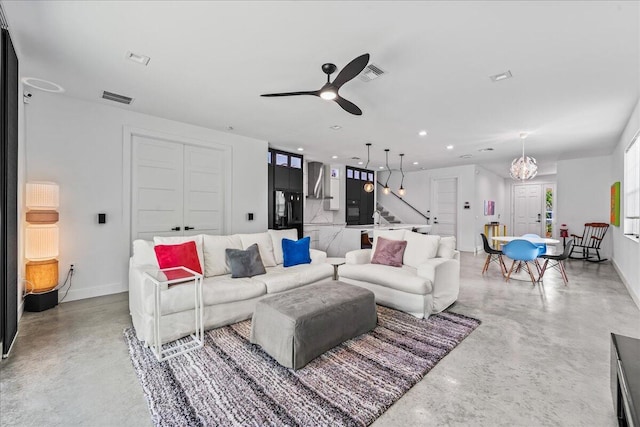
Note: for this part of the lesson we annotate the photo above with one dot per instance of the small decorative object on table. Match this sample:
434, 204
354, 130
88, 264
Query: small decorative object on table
163, 279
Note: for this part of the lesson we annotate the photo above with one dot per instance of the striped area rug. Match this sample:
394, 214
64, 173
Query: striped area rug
233, 382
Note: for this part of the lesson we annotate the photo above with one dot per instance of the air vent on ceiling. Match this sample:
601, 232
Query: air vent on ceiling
370, 72
117, 98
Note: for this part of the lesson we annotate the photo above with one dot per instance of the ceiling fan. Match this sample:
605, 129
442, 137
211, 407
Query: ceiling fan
329, 91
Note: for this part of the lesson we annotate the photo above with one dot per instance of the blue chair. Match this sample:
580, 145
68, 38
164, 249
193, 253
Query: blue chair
522, 252
542, 246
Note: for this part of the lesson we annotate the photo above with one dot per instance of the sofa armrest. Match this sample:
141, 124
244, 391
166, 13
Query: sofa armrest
317, 257
139, 288
359, 256
444, 275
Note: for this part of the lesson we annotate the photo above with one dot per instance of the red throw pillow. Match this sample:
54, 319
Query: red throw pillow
183, 255
389, 252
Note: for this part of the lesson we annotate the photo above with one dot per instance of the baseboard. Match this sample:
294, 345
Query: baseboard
634, 297
96, 291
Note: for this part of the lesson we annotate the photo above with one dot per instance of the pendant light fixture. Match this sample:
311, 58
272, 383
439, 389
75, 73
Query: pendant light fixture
401, 191
386, 189
368, 186
524, 167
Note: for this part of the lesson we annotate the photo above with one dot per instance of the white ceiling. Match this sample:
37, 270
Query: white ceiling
576, 68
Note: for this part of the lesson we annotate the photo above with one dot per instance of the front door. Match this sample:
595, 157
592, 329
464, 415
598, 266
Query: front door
527, 209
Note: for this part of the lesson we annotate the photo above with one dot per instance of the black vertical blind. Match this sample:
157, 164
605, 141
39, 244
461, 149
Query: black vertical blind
9, 192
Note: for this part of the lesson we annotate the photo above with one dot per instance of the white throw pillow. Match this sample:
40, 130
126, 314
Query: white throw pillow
177, 240
143, 253
420, 248
215, 260
265, 246
387, 234
447, 247
276, 239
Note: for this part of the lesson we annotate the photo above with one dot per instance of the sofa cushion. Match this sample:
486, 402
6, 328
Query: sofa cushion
389, 252
182, 255
296, 252
265, 245
387, 234
420, 247
215, 261
215, 290
276, 239
245, 263
402, 279
176, 240
144, 254
279, 279
447, 247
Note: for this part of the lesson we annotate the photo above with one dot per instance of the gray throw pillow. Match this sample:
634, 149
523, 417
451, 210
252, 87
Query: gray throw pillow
247, 263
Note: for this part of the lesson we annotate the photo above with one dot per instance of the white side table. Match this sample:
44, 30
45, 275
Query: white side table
336, 262
163, 279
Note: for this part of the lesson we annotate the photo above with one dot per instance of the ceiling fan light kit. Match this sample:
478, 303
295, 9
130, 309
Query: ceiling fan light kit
330, 89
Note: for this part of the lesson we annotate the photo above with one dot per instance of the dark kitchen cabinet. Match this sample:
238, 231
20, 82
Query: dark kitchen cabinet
359, 203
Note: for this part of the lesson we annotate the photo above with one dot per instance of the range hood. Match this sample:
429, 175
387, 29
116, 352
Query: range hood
315, 181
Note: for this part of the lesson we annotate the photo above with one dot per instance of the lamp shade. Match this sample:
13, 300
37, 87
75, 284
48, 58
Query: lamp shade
41, 242
42, 195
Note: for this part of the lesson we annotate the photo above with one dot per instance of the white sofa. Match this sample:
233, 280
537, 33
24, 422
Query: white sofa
226, 300
427, 283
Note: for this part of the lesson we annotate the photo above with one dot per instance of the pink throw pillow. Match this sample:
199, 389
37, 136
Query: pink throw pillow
389, 252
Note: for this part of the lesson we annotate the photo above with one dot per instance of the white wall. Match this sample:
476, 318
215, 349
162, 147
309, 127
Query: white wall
418, 186
488, 186
584, 187
626, 253
79, 145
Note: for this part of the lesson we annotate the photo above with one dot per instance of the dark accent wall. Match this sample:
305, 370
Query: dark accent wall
9, 192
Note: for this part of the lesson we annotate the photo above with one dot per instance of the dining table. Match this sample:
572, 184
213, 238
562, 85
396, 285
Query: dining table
534, 240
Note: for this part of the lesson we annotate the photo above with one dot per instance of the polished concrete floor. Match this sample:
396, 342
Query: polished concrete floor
540, 357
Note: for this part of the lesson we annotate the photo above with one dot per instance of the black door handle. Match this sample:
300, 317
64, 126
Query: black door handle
435, 220
539, 218
175, 229
188, 228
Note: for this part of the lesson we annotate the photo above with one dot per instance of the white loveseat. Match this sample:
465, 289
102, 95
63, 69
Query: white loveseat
225, 300
427, 283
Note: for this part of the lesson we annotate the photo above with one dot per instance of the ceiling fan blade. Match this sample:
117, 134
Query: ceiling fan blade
348, 106
311, 92
351, 70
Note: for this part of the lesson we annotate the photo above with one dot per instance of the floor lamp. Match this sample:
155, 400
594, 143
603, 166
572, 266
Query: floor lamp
41, 246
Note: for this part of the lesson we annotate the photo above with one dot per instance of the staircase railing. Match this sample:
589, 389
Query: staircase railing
407, 203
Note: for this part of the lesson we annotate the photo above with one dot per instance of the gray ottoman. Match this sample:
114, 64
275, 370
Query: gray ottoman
297, 326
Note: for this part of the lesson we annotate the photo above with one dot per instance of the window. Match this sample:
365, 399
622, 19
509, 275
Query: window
632, 189
548, 211
296, 162
282, 159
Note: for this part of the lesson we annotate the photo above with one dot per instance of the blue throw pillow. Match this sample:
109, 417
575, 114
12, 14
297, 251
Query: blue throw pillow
296, 251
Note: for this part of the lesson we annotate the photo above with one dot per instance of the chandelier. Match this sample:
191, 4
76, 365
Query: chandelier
402, 190
386, 189
368, 186
524, 167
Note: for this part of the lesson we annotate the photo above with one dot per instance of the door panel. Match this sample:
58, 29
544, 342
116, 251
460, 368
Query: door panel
445, 194
527, 209
156, 188
203, 190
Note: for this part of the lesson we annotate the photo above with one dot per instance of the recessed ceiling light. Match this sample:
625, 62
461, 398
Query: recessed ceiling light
482, 150
466, 156
524, 135
140, 59
334, 157
42, 84
415, 163
360, 163
380, 167
335, 127
449, 147
422, 133
501, 76
300, 149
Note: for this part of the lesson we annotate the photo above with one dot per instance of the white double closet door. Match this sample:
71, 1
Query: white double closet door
176, 189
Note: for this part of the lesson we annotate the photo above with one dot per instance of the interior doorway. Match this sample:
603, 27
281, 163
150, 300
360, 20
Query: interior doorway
444, 203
